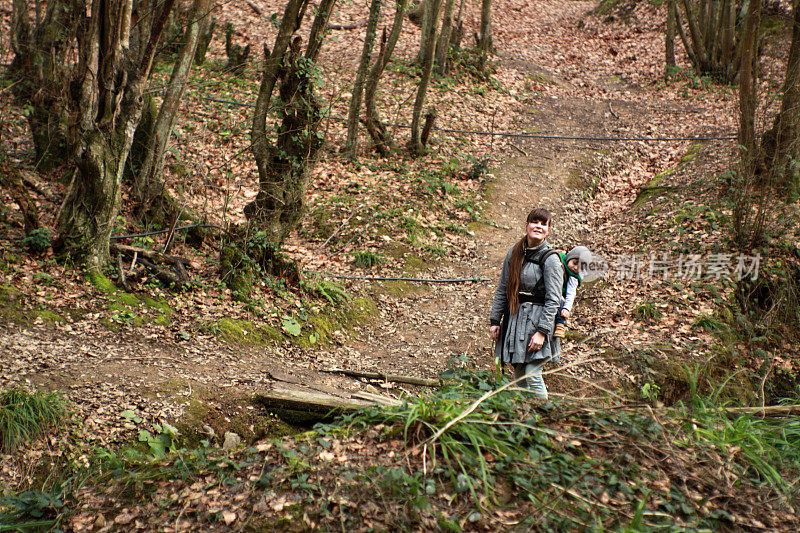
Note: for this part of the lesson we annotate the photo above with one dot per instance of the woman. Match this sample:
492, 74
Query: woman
526, 301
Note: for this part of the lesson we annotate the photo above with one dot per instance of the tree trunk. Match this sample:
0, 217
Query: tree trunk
713, 45
443, 44
431, 14
11, 180
374, 125
749, 211
485, 45
106, 106
748, 84
670, 37
282, 168
780, 145
351, 145
207, 27
148, 183
41, 51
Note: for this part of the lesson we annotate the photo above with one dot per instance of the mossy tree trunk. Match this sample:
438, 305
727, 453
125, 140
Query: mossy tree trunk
106, 71
41, 49
374, 125
351, 145
429, 27
282, 166
150, 191
780, 145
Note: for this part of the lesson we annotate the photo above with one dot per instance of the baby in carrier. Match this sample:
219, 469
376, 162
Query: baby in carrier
575, 262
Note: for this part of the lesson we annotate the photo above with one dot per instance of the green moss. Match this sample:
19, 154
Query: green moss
414, 264
401, 288
361, 309
163, 311
539, 77
653, 188
127, 298
9, 261
109, 324
49, 316
100, 282
242, 332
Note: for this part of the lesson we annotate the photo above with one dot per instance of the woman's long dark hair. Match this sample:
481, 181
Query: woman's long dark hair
537, 214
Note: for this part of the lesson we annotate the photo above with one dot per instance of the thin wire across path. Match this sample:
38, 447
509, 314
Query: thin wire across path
528, 135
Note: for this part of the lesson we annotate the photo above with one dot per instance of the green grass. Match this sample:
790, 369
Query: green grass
25, 416
368, 259
646, 311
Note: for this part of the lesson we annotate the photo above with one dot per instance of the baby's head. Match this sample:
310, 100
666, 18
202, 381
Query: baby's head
572, 264
578, 258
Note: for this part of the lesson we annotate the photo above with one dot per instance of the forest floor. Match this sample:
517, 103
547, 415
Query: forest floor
564, 72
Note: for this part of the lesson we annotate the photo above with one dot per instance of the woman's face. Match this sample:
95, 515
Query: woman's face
537, 232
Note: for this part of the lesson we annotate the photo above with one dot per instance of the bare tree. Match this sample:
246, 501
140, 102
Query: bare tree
429, 27
749, 210
714, 43
375, 128
445, 36
105, 61
351, 146
282, 167
485, 44
670, 36
148, 184
780, 145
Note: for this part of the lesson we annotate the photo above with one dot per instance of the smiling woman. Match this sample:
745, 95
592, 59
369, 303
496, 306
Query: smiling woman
526, 302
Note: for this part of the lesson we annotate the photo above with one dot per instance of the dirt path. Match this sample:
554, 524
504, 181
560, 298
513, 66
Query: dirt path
420, 327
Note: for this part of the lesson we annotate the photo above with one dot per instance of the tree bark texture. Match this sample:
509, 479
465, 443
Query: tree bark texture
149, 188
748, 84
282, 167
41, 51
669, 52
207, 27
351, 145
105, 107
445, 37
430, 19
485, 44
780, 146
374, 125
11, 180
748, 211
237, 56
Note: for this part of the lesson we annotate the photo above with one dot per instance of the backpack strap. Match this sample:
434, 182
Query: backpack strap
567, 274
538, 293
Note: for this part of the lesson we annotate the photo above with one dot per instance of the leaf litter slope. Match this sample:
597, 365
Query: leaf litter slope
571, 75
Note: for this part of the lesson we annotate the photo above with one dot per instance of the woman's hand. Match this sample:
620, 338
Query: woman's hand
494, 331
565, 313
536, 342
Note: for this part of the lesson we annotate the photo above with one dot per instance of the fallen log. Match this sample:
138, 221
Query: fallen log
304, 407
410, 380
769, 410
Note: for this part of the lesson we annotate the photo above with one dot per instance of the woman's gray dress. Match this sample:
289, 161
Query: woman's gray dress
517, 330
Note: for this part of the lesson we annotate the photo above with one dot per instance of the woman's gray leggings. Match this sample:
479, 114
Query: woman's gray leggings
534, 382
